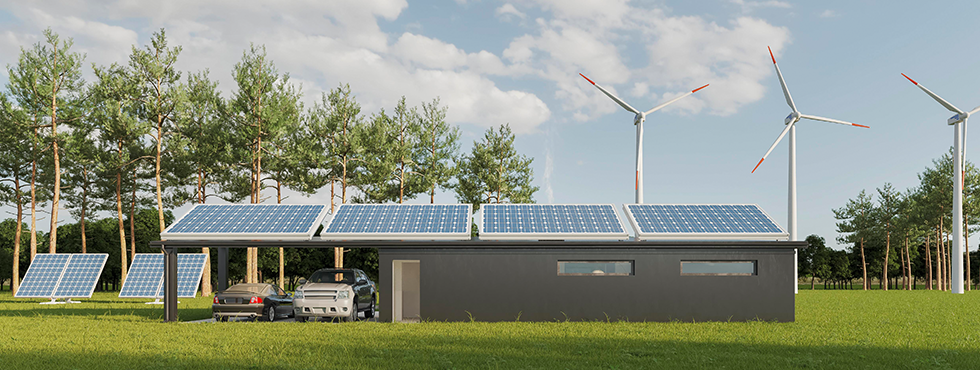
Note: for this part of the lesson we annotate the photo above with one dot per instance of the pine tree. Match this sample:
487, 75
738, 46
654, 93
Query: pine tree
438, 149
494, 172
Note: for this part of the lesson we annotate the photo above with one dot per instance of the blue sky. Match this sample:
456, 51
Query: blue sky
516, 62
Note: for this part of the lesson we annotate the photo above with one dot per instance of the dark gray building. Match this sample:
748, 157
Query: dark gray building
579, 280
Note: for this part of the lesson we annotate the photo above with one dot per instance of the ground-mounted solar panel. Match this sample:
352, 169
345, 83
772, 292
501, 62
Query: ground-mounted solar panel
42, 276
190, 267
145, 276
550, 222
248, 222
81, 275
702, 222
399, 222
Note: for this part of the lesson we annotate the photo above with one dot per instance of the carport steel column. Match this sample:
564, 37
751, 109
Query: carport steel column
169, 284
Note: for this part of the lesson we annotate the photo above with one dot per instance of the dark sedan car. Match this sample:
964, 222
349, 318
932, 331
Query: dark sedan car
264, 301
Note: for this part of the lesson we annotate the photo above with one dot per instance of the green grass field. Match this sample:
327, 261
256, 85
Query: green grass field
834, 329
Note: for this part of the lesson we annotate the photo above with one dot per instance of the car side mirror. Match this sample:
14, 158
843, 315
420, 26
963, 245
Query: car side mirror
362, 281
302, 281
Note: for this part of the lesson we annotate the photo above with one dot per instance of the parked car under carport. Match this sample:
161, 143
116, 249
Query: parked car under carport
264, 301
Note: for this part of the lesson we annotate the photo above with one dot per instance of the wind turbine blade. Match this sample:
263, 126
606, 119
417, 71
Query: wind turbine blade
789, 99
831, 120
977, 109
934, 96
674, 99
781, 134
611, 96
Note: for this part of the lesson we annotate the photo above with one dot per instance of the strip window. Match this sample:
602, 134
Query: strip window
595, 268
719, 268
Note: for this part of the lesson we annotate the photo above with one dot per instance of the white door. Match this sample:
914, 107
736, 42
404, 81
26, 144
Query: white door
405, 303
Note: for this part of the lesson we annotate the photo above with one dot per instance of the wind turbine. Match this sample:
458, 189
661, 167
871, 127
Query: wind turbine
790, 122
959, 163
638, 121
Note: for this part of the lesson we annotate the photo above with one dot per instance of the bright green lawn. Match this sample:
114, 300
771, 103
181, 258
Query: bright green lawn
834, 329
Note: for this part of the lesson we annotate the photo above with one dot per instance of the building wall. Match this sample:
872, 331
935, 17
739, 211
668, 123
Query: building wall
504, 284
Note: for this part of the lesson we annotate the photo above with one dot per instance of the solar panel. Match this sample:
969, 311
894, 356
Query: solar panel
550, 221
399, 222
247, 221
145, 276
80, 275
190, 267
42, 276
702, 222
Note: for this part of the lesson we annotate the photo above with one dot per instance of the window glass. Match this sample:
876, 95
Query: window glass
734, 268
595, 268
247, 288
333, 276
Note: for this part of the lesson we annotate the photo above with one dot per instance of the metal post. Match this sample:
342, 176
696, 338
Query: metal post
792, 206
639, 162
169, 284
956, 255
222, 268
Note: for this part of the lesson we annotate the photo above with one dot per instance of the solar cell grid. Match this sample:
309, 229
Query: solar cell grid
190, 267
42, 276
80, 275
735, 221
242, 221
399, 221
145, 277
550, 221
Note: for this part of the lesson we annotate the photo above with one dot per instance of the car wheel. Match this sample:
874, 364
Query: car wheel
223, 319
270, 313
300, 318
353, 313
370, 311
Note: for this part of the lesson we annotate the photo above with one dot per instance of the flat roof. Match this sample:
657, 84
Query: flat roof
317, 242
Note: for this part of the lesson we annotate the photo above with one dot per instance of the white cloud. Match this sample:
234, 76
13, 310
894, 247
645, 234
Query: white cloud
748, 6
828, 14
508, 11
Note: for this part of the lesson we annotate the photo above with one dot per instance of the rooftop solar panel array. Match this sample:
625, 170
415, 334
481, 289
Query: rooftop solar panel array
64, 275
145, 276
247, 221
399, 222
80, 275
702, 222
550, 221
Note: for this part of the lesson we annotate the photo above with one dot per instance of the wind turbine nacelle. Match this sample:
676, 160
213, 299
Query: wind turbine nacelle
957, 118
792, 117
638, 119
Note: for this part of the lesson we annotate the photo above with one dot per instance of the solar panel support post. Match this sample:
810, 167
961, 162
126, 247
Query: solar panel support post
222, 269
169, 284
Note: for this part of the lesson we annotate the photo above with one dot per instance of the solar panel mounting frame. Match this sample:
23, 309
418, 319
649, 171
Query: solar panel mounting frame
307, 235
61, 275
640, 235
398, 235
550, 236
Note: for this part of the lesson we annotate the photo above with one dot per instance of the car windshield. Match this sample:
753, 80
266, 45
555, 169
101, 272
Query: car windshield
332, 277
247, 288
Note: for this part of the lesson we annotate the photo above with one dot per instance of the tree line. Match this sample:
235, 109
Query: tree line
897, 237
144, 138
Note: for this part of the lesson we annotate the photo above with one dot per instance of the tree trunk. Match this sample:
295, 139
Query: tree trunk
966, 247
163, 226
901, 260
939, 265
884, 267
928, 262
15, 272
812, 279
282, 259
132, 220
56, 196
864, 267
34, 204
122, 227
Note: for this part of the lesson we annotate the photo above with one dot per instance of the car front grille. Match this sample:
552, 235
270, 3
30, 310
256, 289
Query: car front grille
328, 294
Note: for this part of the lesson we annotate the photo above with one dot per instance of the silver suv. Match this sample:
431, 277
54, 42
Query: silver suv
335, 293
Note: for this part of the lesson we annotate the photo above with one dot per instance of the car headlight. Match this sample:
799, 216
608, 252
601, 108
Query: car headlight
298, 294
343, 294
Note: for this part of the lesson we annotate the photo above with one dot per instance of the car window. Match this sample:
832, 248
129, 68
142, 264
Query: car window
247, 288
333, 277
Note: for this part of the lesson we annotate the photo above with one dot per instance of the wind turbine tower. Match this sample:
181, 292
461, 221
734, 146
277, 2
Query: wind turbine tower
638, 120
